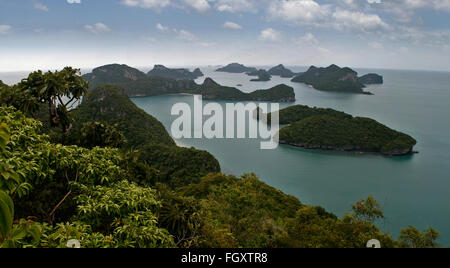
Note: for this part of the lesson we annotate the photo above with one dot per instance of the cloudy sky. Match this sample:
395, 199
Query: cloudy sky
399, 34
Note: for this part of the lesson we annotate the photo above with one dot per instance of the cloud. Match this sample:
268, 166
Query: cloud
40, 6
74, 1
232, 26
359, 21
97, 28
376, 45
270, 35
151, 4
4, 29
299, 11
199, 5
162, 28
309, 38
237, 6
187, 36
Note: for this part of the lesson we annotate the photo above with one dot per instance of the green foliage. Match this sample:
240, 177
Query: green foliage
59, 91
179, 166
297, 113
368, 210
179, 74
347, 134
125, 210
240, 212
108, 104
94, 134
411, 237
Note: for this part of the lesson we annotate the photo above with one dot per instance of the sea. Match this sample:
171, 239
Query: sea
412, 190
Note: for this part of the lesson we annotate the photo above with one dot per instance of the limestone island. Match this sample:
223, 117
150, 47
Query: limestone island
332, 78
178, 74
371, 79
281, 71
327, 129
135, 83
263, 76
236, 68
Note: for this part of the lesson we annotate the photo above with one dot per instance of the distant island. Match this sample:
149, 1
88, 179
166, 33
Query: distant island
178, 74
327, 129
137, 84
263, 76
281, 71
236, 68
371, 79
333, 78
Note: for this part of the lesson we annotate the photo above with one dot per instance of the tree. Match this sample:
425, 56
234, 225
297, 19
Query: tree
368, 210
411, 237
59, 91
94, 134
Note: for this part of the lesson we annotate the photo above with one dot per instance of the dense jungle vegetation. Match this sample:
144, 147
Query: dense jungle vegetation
110, 176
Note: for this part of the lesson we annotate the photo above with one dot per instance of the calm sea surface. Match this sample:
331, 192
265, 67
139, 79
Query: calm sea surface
413, 190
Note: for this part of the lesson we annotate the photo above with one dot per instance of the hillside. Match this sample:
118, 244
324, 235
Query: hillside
332, 78
236, 68
178, 74
109, 104
327, 129
113, 74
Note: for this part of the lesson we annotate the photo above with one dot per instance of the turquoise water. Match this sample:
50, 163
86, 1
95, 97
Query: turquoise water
413, 190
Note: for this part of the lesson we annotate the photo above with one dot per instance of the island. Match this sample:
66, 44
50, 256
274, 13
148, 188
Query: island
327, 129
263, 76
211, 90
332, 78
371, 79
281, 71
178, 74
138, 84
236, 68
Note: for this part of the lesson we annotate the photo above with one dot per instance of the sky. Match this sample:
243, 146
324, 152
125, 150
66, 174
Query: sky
394, 34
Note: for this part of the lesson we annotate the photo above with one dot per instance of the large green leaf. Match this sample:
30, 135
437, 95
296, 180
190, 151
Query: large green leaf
6, 214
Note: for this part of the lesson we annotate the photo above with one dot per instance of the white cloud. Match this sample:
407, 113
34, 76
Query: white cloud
270, 35
186, 35
74, 1
232, 26
199, 5
358, 21
299, 11
162, 28
97, 28
40, 6
4, 29
152, 4
237, 6
309, 38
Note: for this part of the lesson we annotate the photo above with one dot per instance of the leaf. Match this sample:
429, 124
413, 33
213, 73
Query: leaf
6, 213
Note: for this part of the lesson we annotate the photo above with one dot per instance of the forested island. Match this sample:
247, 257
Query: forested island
263, 76
109, 175
336, 79
327, 129
137, 84
281, 71
236, 68
178, 74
